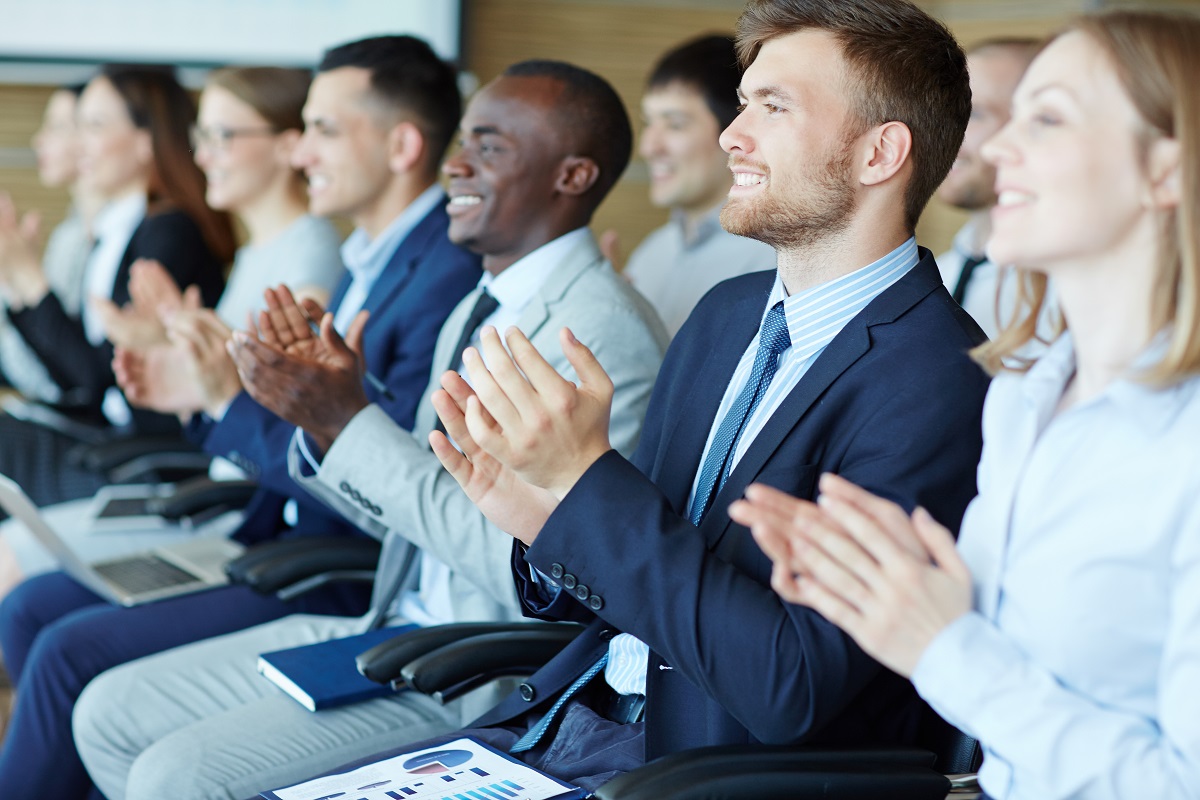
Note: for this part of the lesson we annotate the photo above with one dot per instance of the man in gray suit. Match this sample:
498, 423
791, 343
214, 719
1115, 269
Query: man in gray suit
540, 148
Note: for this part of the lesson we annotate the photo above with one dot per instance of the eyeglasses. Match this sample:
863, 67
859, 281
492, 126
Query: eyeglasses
218, 138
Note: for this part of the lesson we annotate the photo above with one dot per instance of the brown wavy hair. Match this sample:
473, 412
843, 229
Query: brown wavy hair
159, 105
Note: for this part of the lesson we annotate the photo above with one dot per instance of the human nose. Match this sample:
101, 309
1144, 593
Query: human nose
457, 165
302, 153
735, 136
651, 142
1000, 148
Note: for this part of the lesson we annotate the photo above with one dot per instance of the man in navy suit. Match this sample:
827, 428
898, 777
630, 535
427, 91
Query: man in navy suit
379, 116
850, 358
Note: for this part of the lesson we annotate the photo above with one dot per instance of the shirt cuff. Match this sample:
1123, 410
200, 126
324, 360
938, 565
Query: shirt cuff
311, 464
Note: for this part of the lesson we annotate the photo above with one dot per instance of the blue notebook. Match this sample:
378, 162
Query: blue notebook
323, 675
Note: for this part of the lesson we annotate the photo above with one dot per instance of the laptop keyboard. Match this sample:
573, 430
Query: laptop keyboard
144, 574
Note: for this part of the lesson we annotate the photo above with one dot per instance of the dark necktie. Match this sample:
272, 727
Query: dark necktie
960, 289
485, 304
773, 339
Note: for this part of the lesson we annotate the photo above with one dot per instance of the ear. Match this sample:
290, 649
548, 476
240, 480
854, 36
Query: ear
576, 175
285, 146
1163, 168
406, 147
886, 149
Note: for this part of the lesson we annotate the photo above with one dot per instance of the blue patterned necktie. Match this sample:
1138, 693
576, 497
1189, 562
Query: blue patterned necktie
535, 734
773, 339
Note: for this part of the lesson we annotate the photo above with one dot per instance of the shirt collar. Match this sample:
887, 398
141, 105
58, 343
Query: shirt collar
365, 257
816, 315
707, 226
516, 285
1153, 407
120, 216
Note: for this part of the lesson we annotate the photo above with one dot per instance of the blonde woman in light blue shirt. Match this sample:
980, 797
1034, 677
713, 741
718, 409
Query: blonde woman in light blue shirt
1064, 630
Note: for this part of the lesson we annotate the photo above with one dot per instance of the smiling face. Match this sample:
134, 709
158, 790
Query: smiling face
788, 148
56, 141
995, 72
1069, 172
502, 178
115, 156
679, 145
344, 150
239, 153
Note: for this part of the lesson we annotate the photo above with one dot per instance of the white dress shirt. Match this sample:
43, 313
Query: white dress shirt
814, 318
991, 294
114, 228
1079, 669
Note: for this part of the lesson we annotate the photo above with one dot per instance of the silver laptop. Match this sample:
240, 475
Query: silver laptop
181, 568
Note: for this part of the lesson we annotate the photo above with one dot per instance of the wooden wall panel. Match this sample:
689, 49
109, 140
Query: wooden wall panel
21, 115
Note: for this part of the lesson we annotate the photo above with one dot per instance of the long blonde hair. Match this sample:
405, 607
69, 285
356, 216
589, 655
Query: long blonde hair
1156, 56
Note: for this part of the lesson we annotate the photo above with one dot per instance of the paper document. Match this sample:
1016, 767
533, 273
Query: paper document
463, 769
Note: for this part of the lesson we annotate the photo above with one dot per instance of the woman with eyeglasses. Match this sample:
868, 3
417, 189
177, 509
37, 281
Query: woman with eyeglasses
248, 124
1064, 630
133, 153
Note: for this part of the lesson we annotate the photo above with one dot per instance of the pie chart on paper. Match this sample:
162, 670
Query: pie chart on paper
436, 761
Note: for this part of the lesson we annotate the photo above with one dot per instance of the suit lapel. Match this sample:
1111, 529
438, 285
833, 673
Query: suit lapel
678, 459
851, 344
537, 311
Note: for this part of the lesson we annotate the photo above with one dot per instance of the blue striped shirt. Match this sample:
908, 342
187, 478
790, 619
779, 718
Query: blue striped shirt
814, 317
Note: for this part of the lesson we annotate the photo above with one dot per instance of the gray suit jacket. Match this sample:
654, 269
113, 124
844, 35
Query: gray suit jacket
388, 482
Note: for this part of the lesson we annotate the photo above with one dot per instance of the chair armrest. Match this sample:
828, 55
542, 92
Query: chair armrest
271, 567
108, 455
766, 772
385, 662
202, 495
455, 669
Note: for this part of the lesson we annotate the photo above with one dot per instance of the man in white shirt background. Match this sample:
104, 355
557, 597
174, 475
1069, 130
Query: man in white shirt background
691, 97
982, 288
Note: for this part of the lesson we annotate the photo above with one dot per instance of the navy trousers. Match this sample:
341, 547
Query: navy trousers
56, 636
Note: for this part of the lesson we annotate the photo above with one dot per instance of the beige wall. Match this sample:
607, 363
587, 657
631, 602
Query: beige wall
620, 39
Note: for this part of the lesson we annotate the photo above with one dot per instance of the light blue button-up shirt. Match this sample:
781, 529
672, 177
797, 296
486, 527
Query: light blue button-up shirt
1079, 668
814, 317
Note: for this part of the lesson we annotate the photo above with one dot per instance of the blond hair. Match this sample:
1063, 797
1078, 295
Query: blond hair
1156, 56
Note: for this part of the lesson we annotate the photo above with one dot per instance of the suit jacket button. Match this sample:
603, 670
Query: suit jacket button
557, 571
569, 581
595, 604
582, 593
345, 487
526, 692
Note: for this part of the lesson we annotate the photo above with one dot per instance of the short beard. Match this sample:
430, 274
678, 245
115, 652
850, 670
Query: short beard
788, 223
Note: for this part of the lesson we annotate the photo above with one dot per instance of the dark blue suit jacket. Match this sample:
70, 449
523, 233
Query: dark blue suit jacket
892, 404
422, 283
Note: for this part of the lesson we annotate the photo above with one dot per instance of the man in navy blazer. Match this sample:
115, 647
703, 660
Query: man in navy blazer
851, 358
385, 103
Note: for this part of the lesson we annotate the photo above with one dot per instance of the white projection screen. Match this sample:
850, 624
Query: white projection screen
211, 32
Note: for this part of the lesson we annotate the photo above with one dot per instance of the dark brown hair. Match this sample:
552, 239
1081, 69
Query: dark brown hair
159, 105
904, 66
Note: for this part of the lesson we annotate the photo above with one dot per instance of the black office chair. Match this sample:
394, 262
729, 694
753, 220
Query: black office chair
292, 567
445, 659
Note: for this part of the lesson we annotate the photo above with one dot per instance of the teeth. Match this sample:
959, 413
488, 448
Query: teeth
317, 181
466, 200
1012, 198
659, 170
748, 179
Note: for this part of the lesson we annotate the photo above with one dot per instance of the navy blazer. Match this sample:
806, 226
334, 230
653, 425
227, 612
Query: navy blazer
422, 283
893, 404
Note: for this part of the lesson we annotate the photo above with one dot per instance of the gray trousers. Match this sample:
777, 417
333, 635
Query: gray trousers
199, 722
